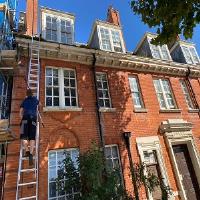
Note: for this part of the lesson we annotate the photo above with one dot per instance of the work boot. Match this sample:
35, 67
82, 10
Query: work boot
30, 159
27, 153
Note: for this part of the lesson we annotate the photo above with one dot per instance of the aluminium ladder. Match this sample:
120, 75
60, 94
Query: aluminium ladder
24, 170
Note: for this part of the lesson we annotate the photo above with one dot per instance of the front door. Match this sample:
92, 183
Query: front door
186, 170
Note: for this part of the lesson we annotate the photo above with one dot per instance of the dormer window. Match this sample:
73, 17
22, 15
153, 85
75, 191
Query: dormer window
110, 40
147, 49
190, 54
57, 26
160, 52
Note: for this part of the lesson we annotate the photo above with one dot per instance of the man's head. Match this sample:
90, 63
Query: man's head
29, 92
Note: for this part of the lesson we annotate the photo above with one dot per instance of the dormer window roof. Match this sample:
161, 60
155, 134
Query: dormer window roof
57, 26
146, 49
107, 37
184, 52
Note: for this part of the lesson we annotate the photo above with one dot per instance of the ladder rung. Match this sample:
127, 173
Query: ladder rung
25, 184
34, 69
28, 170
25, 198
33, 81
27, 158
33, 75
34, 64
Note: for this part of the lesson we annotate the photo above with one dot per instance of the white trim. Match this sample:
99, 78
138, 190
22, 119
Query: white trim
149, 144
178, 131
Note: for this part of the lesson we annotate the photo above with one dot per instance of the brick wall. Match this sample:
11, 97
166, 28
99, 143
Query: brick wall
78, 129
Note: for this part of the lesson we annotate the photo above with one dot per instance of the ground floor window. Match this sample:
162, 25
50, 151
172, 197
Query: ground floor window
55, 158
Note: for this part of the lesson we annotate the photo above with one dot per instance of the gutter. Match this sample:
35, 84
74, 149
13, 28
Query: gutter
99, 117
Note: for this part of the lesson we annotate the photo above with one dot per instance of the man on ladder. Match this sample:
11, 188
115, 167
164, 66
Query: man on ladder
28, 115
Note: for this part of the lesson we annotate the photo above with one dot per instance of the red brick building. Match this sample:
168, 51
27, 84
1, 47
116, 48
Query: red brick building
98, 91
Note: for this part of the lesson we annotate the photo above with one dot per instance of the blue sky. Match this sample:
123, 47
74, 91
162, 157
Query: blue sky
87, 11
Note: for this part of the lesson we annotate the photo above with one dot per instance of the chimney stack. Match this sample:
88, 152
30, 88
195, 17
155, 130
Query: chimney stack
113, 16
31, 17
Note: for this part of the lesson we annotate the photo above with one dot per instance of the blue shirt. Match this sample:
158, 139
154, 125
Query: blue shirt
30, 106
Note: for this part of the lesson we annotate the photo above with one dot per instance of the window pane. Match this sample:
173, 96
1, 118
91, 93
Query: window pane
52, 189
48, 101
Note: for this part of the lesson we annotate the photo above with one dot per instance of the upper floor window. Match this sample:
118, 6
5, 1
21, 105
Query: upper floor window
136, 93
58, 28
160, 52
61, 90
103, 90
110, 40
55, 159
190, 55
164, 94
186, 94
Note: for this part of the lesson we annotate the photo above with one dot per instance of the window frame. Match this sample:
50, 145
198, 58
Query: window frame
119, 160
187, 94
108, 89
59, 32
61, 88
56, 151
139, 92
159, 48
190, 54
167, 106
111, 38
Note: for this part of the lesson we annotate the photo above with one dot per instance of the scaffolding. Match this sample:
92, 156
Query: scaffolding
7, 23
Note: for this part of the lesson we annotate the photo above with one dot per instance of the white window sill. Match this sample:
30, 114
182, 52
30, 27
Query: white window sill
140, 110
57, 109
193, 110
102, 109
170, 111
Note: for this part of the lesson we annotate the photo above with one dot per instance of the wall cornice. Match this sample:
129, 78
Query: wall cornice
83, 55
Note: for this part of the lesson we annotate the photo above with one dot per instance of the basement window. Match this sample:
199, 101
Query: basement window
61, 88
